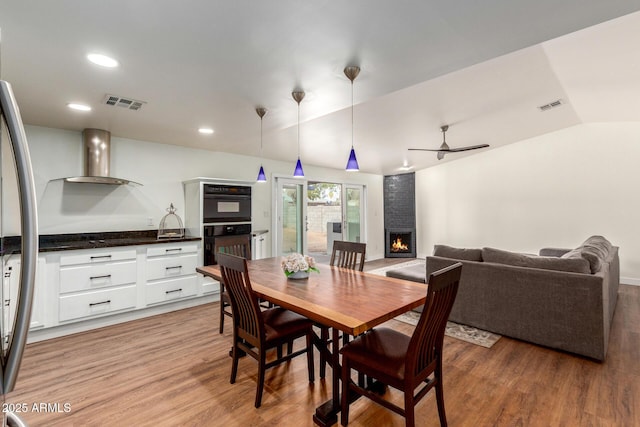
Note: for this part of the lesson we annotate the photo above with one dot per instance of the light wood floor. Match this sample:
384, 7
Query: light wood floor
173, 370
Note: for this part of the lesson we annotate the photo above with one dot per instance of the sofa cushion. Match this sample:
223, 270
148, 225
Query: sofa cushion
572, 264
595, 250
457, 253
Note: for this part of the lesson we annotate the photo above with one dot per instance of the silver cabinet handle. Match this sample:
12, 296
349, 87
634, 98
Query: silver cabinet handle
100, 257
106, 276
174, 267
29, 228
175, 290
172, 250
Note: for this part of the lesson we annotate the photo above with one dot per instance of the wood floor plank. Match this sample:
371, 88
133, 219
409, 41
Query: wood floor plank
173, 370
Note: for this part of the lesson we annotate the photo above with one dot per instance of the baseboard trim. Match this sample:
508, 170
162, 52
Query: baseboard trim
629, 281
41, 334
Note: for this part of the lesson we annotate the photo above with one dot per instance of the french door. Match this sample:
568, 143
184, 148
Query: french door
310, 215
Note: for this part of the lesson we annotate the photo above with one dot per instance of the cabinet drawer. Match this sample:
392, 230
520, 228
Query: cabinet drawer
161, 250
171, 266
97, 302
84, 277
97, 255
172, 289
209, 285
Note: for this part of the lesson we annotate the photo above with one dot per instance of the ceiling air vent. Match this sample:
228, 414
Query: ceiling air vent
119, 101
551, 105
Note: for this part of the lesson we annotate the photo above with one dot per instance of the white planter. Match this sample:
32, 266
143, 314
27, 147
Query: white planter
299, 275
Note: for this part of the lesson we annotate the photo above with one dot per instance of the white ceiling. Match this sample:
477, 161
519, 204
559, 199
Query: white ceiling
481, 67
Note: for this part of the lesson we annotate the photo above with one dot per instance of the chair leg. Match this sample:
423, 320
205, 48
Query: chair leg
221, 316
310, 366
279, 351
260, 385
324, 337
234, 362
440, 396
409, 409
345, 339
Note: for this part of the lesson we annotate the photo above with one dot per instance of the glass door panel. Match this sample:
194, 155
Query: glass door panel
353, 213
324, 213
290, 217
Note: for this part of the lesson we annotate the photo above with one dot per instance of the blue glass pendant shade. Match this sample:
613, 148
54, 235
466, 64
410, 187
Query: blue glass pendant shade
261, 176
298, 172
352, 163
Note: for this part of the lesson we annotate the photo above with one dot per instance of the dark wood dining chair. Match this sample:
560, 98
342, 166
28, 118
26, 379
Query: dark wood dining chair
234, 245
255, 330
346, 255
405, 362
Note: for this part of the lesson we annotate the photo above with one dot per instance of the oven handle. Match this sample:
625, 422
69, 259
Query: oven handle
227, 197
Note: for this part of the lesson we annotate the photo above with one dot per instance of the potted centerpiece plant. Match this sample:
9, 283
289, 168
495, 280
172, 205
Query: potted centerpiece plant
298, 266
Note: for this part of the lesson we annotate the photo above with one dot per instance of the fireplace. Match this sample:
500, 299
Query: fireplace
400, 243
400, 216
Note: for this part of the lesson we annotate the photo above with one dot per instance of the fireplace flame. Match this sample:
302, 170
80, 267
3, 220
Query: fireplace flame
398, 246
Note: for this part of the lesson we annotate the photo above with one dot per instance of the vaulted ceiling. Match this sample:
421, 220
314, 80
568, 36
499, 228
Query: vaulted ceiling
481, 67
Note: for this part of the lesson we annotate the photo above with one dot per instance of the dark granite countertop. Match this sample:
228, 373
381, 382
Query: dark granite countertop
67, 242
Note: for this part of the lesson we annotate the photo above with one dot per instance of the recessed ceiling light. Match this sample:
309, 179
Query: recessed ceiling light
205, 131
102, 60
78, 107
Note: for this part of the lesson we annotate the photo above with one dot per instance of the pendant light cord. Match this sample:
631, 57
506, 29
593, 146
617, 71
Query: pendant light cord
352, 114
298, 130
260, 137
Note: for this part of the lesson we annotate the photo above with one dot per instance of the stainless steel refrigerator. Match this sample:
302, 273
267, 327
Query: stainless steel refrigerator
16, 301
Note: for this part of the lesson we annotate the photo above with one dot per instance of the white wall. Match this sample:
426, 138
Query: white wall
550, 191
161, 168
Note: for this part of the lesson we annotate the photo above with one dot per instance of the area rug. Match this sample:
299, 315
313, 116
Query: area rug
454, 330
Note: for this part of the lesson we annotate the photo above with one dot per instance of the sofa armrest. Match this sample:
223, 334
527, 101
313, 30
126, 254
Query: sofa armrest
557, 252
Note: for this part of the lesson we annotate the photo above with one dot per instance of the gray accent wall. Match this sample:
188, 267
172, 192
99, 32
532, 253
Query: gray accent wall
400, 210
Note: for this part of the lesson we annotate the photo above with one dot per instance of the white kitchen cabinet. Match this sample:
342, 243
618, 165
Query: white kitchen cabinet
99, 302
11, 283
171, 272
81, 289
169, 290
86, 277
95, 282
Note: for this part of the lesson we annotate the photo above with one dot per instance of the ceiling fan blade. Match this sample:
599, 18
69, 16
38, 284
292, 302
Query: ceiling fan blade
471, 147
451, 150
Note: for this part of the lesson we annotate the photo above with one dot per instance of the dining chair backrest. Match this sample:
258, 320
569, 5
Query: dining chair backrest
239, 245
246, 313
426, 342
348, 255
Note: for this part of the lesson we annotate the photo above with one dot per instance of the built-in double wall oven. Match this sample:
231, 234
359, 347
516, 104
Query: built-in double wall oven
226, 212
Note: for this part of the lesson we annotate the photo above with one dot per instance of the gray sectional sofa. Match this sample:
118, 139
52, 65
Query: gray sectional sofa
561, 298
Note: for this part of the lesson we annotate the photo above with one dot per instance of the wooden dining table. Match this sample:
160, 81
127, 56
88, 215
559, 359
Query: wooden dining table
348, 301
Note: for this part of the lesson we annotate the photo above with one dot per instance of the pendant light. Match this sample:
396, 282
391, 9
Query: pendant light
352, 164
261, 176
298, 96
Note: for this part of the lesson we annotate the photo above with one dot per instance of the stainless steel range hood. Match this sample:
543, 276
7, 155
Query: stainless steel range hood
97, 148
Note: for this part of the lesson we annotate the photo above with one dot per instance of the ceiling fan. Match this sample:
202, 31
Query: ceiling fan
444, 148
